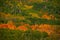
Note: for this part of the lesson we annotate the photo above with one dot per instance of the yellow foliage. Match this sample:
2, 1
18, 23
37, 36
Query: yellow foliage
9, 3
19, 4
28, 7
34, 15
20, 17
40, 1
10, 23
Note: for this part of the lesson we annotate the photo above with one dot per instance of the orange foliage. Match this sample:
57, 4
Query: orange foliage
52, 17
46, 28
22, 28
7, 15
42, 28
46, 17
11, 25
3, 26
7, 26
34, 27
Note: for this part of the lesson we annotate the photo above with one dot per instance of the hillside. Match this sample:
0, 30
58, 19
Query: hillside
23, 15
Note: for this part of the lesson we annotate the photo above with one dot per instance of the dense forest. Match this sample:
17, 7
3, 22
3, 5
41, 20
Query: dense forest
29, 19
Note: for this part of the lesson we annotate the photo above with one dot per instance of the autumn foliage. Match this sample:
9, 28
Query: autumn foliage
42, 27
